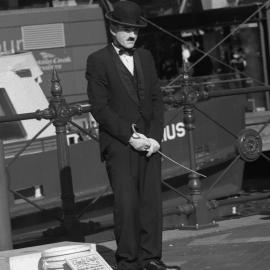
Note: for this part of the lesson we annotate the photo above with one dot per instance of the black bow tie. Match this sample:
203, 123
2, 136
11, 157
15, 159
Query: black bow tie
127, 51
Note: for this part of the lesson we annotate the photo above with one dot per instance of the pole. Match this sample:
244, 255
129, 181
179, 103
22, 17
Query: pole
71, 224
5, 228
199, 217
59, 113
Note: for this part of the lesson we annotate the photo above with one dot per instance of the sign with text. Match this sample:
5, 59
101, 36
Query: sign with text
91, 261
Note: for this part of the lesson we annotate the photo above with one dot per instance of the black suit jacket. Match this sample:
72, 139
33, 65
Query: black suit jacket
115, 104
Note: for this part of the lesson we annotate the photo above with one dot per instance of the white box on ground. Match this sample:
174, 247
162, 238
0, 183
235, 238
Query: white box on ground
29, 258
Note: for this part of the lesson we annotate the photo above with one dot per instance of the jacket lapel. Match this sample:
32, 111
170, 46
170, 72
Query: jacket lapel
140, 75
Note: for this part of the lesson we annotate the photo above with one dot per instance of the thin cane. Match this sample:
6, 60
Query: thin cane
137, 136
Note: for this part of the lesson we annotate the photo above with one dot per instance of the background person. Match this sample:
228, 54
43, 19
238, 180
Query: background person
202, 68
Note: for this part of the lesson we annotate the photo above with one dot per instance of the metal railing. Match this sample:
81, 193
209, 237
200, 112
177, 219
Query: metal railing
59, 113
248, 143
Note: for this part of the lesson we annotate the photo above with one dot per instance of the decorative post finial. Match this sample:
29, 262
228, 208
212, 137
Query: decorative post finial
56, 88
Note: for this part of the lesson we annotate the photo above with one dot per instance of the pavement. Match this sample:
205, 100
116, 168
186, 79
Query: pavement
235, 244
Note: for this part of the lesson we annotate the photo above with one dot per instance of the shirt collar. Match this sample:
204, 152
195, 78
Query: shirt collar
116, 48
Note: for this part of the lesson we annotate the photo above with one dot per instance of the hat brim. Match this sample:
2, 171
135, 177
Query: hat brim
108, 16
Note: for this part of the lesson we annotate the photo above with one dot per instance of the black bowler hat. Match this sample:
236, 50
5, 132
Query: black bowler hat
126, 13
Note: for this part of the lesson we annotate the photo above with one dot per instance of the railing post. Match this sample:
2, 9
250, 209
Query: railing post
5, 227
59, 113
61, 109
199, 217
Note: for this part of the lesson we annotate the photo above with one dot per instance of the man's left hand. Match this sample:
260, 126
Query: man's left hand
154, 147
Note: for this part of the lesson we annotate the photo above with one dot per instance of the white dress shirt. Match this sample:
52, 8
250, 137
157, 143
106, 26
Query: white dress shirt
127, 60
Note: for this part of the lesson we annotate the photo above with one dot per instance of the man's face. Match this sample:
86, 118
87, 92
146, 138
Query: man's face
125, 36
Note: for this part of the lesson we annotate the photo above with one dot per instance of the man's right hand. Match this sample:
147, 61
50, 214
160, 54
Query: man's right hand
154, 147
139, 142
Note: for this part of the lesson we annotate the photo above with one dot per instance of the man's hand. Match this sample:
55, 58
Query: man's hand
154, 147
139, 142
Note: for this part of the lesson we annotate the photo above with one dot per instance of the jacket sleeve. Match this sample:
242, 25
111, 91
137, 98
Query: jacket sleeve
99, 96
157, 122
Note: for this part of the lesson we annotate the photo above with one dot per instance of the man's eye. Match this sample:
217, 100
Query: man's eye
129, 29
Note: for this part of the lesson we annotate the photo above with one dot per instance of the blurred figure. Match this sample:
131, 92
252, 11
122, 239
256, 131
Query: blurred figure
238, 60
168, 68
239, 63
205, 66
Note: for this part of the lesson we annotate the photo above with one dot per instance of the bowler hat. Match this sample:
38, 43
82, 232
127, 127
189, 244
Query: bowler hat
126, 13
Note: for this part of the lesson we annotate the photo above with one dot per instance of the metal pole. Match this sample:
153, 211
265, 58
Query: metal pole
5, 228
60, 113
264, 36
71, 224
199, 217
204, 95
194, 182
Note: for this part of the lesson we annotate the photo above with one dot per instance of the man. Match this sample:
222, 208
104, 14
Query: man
124, 92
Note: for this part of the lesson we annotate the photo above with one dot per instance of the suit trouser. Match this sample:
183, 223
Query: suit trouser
136, 184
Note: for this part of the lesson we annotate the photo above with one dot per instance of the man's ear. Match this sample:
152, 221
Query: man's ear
112, 30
